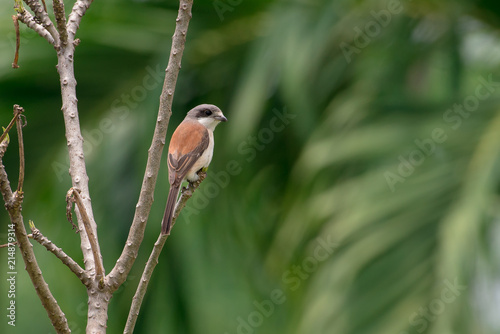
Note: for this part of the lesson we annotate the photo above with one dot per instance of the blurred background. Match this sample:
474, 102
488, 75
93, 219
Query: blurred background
354, 189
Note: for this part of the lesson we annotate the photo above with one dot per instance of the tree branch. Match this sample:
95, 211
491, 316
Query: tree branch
28, 19
43, 17
19, 110
155, 254
11, 123
75, 17
60, 15
74, 142
13, 204
18, 41
98, 294
90, 233
123, 265
60, 254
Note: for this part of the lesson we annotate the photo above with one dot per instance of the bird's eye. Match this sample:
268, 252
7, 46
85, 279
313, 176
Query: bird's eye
208, 112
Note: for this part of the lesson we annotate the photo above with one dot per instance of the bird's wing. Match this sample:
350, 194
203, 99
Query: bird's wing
188, 143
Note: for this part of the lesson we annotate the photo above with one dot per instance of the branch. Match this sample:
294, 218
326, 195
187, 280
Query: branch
43, 17
13, 204
19, 124
60, 15
18, 41
28, 19
153, 258
11, 123
60, 254
75, 17
30, 236
74, 142
90, 233
123, 265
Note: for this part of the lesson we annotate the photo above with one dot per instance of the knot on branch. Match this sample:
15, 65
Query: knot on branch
70, 200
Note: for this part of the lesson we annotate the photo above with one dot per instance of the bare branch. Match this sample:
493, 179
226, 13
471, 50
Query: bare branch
18, 41
60, 254
28, 19
79, 9
30, 236
60, 15
19, 124
11, 124
13, 204
155, 254
98, 294
43, 17
143, 284
90, 234
13, 243
119, 273
74, 142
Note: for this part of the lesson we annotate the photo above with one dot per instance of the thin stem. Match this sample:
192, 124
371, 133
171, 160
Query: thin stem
155, 254
60, 16
30, 236
12, 121
75, 17
25, 17
13, 204
19, 124
60, 254
90, 234
136, 233
43, 18
18, 41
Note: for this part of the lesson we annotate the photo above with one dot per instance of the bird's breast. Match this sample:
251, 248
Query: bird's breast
204, 160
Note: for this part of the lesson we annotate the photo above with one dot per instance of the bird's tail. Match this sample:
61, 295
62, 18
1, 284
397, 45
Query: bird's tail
166, 225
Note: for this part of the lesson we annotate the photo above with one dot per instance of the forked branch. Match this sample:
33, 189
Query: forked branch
74, 196
13, 204
119, 273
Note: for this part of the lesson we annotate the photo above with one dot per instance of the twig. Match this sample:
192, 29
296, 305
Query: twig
12, 243
19, 124
44, 6
136, 233
25, 17
79, 9
12, 121
13, 204
60, 15
18, 41
30, 236
153, 258
60, 254
90, 234
43, 17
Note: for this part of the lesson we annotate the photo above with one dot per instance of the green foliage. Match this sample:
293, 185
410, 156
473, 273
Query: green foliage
349, 192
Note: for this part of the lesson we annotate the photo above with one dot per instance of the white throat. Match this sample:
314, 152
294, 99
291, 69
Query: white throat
208, 122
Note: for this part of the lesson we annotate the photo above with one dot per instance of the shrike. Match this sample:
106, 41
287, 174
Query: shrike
191, 149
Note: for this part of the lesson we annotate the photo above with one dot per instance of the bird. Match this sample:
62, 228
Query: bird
190, 150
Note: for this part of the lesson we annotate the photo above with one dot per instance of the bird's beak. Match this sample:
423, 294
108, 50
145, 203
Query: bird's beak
221, 118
